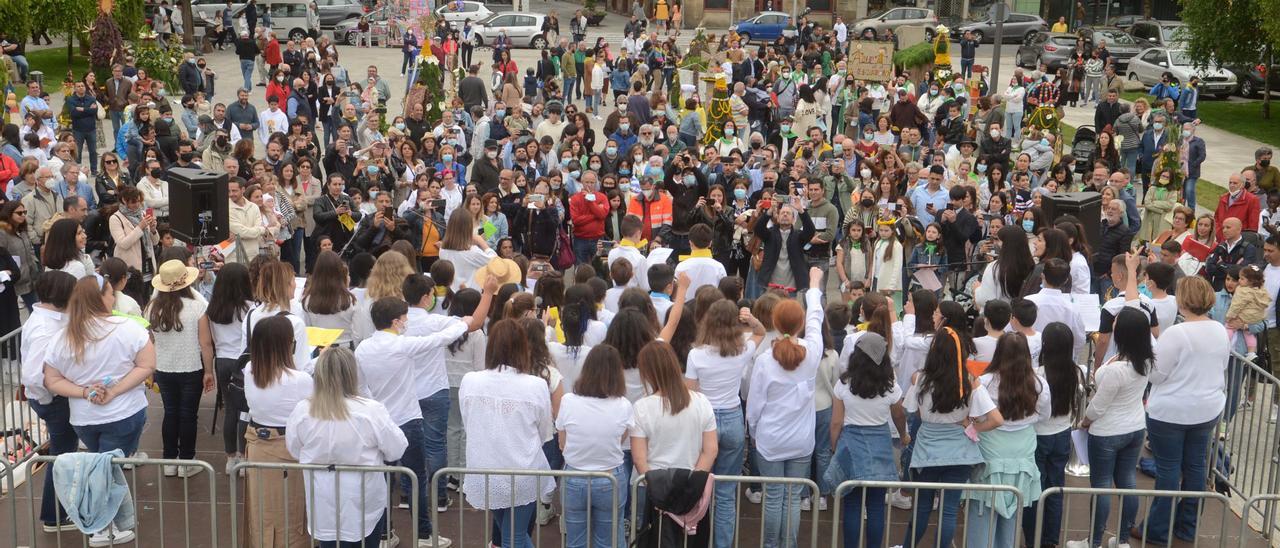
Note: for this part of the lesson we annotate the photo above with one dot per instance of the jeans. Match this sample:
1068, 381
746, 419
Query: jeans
374, 540
776, 517
117, 119
180, 393
584, 250
1129, 160
407, 62
457, 435
590, 501
232, 426
514, 524
91, 138
1092, 89
465, 51
966, 67
731, 435
1235, 388
123, 434
435, 427
246, 70
414, 458
984, 527
1114, 460
852, 517
589, 98
1012, 124
570, 82
24, 68
821, 447
1189, 191
924, 504
62, 439
1181, 452
904, 464
1052, 453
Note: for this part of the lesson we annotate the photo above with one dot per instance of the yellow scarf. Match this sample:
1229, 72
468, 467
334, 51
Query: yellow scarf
554, 313
697, 253
638, 245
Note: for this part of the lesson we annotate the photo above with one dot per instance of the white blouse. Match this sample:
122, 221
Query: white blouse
506, 415
466, 263
179, 351
780, 410
1188, 380
272, 406
108, 356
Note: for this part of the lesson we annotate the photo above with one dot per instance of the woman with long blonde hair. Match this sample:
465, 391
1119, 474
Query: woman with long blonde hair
385, 280
274, 290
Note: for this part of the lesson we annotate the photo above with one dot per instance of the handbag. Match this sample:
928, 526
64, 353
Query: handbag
562, 257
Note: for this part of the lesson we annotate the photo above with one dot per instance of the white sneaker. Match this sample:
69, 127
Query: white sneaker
138, 455
390, 542
1114, 542
899, 500
65, 525
822, 504
188, 471
231, 462
170, 470
435, 542
805, 506
110, 536
546, 513
1078, 544
443, 507
754, 496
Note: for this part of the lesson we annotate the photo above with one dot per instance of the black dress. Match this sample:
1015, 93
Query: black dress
9, 319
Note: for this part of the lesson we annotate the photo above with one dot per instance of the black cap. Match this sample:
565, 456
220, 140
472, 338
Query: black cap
490, 143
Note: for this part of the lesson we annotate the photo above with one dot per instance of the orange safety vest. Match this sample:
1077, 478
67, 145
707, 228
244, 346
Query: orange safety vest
653, 213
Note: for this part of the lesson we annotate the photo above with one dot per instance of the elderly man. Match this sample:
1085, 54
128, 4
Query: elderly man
73, 182
1113, 240
1119, 182
41, 202
1231, 250
1268, 175
1237, 203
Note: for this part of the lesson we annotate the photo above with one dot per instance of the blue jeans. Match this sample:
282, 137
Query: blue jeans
372, 541
966, 67
1129, 160
1235, 378
570, 82
1113, 460
246, 70
91, 138
731, 434
117, 119
776, 517
924, 503
852, 517
821, 448
1189, 191
435, 436
1012, 124
180, 393
584, 250
24, 68
913, 426
1182, 453
62, 439
985, 527
514, 525
414, 458
123, 434
1052, 453
590, 500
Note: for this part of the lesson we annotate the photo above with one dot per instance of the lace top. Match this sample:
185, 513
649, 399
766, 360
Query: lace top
506, 415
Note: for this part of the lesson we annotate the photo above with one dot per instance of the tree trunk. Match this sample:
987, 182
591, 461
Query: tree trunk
188, 24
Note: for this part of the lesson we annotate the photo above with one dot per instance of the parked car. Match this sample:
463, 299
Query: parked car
1158, 33
1250, 79
333, 12
457, 12
1048, 48
1017, 26
524, 29
345, 32
1125, 22
1150, 65
766, 27
1122, 45
894, 18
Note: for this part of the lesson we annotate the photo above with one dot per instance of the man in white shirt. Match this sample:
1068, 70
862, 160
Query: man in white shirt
272, 120
995, 314
1105, 348
842, 32
1023, 320
630, 250
698, 264
244, 221
1053, 305
447, 122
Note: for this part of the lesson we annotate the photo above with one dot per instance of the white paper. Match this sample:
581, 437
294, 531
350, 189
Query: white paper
1090, 310
928, 279
299, 285
1080, 444
820, 223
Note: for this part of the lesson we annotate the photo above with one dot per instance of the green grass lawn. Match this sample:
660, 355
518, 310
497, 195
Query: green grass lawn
1207, 192
53, 63
1243, 118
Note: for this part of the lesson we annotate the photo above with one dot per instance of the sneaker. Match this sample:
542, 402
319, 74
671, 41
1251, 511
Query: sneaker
822, 504
453, 484
805, 506
403, 505
546, 513
443, 506
1078, 544
170, 470
435, 542
899, 500
1114, 542
189, 471
140, 455
64, 525
754, 496
110, 537
390, 542
231, 462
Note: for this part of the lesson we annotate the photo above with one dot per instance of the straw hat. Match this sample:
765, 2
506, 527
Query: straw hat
173, 276
505, 270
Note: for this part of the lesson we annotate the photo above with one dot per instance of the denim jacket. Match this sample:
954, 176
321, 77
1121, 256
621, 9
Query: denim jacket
1219, 314
93, 491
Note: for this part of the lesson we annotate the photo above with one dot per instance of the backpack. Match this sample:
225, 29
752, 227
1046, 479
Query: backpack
234, 398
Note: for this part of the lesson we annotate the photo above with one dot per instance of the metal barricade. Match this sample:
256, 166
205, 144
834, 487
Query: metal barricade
1266, 517
792, 486
936, 492
154, 498
489, 476
1145, 497
21, 431
290, 486
1243, 455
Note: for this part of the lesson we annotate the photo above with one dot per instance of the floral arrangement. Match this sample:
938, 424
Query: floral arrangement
106, 44
431, 81
160, 63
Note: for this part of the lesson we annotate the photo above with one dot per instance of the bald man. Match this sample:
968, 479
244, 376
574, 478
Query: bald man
1239, 203
1231, 250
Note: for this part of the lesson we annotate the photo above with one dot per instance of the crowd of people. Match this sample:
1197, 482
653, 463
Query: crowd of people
832, 279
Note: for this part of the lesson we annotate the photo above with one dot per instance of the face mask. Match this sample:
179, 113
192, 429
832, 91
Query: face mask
161, 93
638, 159
400, 126
728, 132
786, 128
933, 92
995, 134
867, 135
624, 127
690, 180
740, 193
186, 156
865, 173
595, 166
624, 171
1264, 163
612, 151
491, 154
448, 158
279, 78
1028, 226
756, 145
155, 173
1157, 126
564, 162
982, 168
837, 150
372, 194
656, 173
556, 185
922, 182
373, 170
866, 203
499, 113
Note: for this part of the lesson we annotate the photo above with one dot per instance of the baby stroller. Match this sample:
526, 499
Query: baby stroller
1083, 146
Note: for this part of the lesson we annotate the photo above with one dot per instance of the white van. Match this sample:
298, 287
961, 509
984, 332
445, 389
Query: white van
288, 17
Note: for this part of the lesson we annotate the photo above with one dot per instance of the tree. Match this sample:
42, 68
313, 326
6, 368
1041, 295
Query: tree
69, 18
131, 18
1235, 33
15, 19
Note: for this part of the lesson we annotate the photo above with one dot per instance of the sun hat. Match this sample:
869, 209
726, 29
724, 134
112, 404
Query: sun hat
173, 276
505, 270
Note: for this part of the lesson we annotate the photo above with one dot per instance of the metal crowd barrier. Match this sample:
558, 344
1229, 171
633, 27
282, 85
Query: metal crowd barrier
309, 473
491, 475
1243, 456
1267, 516
792, 496
1142, 519
21, 431
150, 491
939, 490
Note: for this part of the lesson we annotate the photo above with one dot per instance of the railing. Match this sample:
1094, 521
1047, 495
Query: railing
1243, 456
791, 498
21, 432
1145, 499
936, 491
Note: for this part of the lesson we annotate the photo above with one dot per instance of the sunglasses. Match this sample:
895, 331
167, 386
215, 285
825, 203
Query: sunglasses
110, 162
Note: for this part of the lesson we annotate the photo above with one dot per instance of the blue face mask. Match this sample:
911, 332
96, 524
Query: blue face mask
1044, 142
612, 151
740, 193
1028, 226
624, 171
499, 113
448, 158
1144, 290
690, 180
982, 168
373, 170
564, 162
656, 173
837, 150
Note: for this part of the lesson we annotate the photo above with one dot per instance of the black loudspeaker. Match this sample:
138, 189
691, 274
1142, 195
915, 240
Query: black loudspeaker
198, 205
1085, 206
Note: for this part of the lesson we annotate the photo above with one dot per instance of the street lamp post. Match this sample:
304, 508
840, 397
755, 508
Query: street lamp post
998, 13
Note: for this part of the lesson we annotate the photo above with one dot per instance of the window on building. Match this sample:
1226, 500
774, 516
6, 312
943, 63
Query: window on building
715, 4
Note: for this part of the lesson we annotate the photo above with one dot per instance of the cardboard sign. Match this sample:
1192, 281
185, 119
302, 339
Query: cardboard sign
871, 61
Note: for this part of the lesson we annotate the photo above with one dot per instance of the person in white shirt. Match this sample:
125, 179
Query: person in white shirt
715, 366
1023, 318
675, 427
631, 249
593, 422
99, 364
506, 412
701, 267
337, 426
272, 120
462, 246
995, 317
780, 409
1022, 399
1054, 305
1160, 280
155, 190
224, 319
1186, 400
274, 293
182, 374
1066, 384
43, 328
661, 280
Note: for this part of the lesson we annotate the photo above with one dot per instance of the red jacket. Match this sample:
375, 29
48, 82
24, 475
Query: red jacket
588, 217
271, 55
1246, 208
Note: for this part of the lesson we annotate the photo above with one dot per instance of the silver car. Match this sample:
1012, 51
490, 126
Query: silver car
524, 29
898, 17
1150, 65
450, 12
